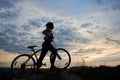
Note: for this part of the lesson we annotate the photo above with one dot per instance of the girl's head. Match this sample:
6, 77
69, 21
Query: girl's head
50, 25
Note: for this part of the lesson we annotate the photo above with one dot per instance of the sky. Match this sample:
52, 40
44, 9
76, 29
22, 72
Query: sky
88, 29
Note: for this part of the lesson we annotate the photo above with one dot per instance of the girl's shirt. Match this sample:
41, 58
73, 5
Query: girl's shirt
48, 35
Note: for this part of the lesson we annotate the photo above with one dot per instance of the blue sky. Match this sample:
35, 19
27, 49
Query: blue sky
73, 7
86, 28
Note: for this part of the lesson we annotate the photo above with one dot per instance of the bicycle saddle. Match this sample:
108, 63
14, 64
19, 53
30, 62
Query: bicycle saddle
31, 47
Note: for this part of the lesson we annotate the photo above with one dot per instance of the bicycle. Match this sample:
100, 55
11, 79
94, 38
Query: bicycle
25, 64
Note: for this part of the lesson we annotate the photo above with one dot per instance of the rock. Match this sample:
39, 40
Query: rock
69, 76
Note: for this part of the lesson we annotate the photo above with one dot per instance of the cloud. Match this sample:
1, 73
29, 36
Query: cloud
6, 58
99, 2
7, 10
85, 25
5, 3
90, 50
109, 58
26, 26
116, 7
112, 40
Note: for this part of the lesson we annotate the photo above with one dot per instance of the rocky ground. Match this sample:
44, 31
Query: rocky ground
52, 75
73, 73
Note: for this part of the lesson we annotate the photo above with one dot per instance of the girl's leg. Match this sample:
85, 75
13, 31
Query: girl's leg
42, 55
54, 52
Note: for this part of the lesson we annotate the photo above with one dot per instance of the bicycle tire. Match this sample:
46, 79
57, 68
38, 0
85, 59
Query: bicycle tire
65, 61
17, 68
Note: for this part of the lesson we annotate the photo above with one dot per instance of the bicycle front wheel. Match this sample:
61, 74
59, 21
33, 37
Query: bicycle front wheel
23, 65
65, 60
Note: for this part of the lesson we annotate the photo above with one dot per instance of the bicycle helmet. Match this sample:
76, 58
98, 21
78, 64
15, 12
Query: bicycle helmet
50, 25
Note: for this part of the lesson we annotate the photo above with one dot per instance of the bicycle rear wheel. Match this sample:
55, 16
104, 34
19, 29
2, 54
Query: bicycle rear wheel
65, 60
23, 65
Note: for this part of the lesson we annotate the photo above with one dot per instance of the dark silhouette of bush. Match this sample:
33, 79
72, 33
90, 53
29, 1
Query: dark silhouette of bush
97, 73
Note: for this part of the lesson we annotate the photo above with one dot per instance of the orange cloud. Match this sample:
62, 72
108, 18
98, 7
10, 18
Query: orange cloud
6, 58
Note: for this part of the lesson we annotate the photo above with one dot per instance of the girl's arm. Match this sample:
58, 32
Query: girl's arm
47, 33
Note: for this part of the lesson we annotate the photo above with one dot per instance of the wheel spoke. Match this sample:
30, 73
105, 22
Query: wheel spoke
23, 65
64, 60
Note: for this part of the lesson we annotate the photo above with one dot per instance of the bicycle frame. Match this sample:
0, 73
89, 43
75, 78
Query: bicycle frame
27, 62
34, 53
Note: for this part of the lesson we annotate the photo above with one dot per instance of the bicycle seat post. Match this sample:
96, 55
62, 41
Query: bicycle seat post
32, 48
